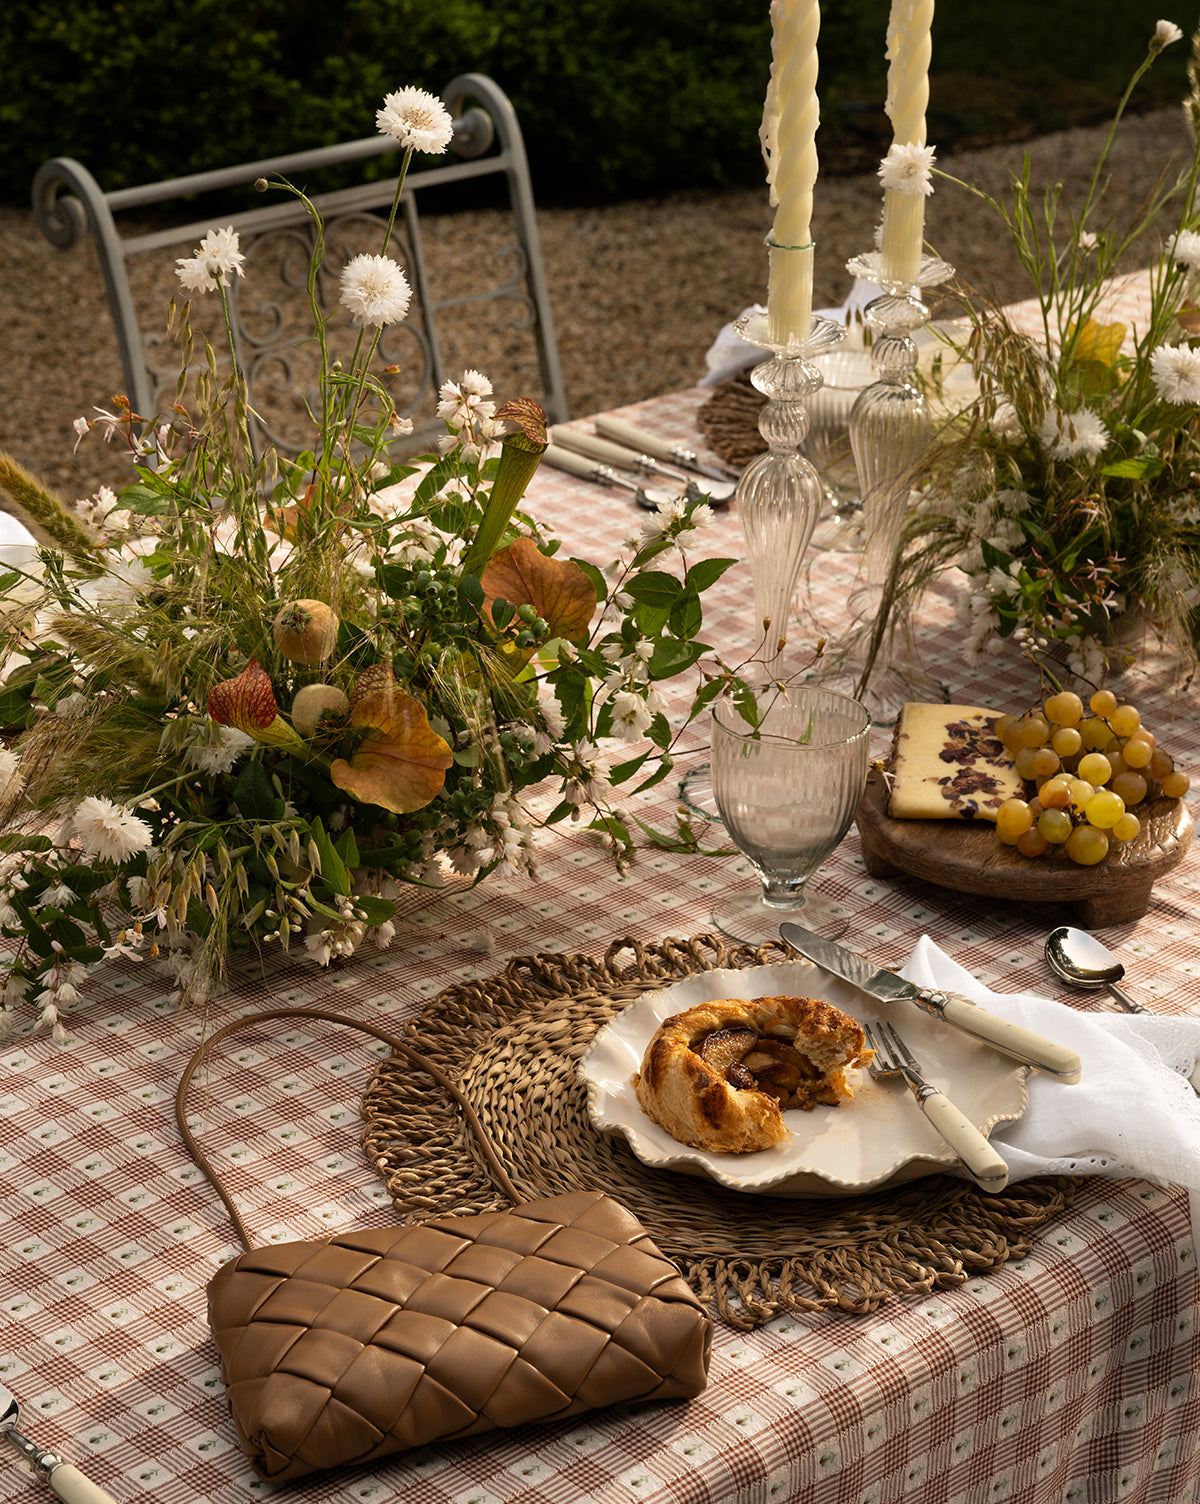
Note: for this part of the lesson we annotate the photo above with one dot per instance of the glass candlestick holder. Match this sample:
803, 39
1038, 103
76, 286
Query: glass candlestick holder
890, 428
779, 495
779, 498
889, 423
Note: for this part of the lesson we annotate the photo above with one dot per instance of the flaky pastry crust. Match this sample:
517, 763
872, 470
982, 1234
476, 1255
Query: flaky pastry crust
803, 1047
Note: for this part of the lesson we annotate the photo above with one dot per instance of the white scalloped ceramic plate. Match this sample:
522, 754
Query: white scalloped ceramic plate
878, 1138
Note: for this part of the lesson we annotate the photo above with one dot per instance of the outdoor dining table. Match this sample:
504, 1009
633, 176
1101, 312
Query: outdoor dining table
1066, 1374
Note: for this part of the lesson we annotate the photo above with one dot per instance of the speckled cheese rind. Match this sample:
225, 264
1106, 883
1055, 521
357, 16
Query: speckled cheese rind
949, 764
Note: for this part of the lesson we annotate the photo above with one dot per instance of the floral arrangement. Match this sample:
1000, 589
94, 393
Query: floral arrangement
1069, 492
244, 701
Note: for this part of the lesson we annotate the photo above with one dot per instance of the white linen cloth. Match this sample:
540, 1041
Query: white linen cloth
1132, 1115
729, 353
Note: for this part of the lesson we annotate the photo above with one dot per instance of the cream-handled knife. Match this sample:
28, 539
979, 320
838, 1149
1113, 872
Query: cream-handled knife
1031, 1049
63, 1477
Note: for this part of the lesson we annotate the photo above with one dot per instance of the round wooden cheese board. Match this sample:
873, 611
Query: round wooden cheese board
966, 855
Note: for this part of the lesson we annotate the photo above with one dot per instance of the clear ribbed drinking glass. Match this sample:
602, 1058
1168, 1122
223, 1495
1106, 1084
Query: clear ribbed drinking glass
787, 791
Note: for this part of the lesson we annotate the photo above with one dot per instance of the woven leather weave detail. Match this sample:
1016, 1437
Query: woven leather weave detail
350, 1349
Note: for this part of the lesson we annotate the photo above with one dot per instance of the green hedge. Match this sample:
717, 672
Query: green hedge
615, 96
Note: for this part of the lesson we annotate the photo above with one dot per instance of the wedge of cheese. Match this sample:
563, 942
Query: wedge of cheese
949, 764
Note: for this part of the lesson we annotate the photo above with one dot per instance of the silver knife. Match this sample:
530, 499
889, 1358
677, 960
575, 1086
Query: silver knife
662, 449
1010, 1039
641, 462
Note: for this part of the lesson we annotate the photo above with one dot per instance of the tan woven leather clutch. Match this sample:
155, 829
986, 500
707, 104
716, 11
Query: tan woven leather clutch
348, 1349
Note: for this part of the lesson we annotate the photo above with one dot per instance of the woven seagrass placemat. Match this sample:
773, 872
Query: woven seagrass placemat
512, 1042
729, 420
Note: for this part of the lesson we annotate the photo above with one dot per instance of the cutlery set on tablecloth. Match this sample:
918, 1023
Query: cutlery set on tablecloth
618, 451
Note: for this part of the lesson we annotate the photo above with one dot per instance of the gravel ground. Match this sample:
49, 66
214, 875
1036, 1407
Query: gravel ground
638, 289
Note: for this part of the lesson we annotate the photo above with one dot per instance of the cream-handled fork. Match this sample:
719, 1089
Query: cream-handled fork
894, 1058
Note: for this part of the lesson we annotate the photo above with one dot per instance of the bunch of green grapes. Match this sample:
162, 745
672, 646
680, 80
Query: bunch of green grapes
1091, 771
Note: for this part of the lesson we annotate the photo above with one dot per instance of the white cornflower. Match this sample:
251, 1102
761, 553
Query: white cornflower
1165, 32
109, 832
219, 756
1088, 240
1069, 435
1176, 373
630, 716
1184, 249
908, 168
375, 291
400, 426
217, 258
417, 119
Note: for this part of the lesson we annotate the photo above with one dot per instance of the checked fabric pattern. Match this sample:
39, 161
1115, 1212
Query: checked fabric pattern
353, 1348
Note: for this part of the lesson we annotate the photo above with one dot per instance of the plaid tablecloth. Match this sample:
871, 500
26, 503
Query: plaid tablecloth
1066, 1376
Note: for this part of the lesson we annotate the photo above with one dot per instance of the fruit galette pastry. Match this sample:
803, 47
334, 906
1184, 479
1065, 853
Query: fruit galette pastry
721, 1075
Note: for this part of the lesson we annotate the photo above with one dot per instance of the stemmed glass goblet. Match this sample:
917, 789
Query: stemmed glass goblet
787, 790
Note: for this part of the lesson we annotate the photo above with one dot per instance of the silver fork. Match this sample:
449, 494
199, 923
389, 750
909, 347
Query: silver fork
894, 1058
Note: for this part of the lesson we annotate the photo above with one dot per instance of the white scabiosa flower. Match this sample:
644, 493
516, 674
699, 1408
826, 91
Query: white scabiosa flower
1176, 373
108, 831
908, 168
417, 119
1068, 436
375, 291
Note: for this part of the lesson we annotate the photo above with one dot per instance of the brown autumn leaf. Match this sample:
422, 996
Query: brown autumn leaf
557, 589
401, 763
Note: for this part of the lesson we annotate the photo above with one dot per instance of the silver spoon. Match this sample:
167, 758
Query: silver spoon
1083, 961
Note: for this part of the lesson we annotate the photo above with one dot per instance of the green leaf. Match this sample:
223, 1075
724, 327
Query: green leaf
146, 501
347, 848
706, 572
686, 616
597, 579
16, 708
333, 869
254, 793
653, 588
470, 593
378, 910
1142, 468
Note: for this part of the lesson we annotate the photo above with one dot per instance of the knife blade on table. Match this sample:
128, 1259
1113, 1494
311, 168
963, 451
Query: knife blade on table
1010, 1039
661, 449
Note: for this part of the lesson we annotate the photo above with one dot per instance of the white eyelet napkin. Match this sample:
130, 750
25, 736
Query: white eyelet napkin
1132, 1115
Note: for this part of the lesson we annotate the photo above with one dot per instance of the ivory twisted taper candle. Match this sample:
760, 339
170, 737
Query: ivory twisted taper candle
909, 49
789, 133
